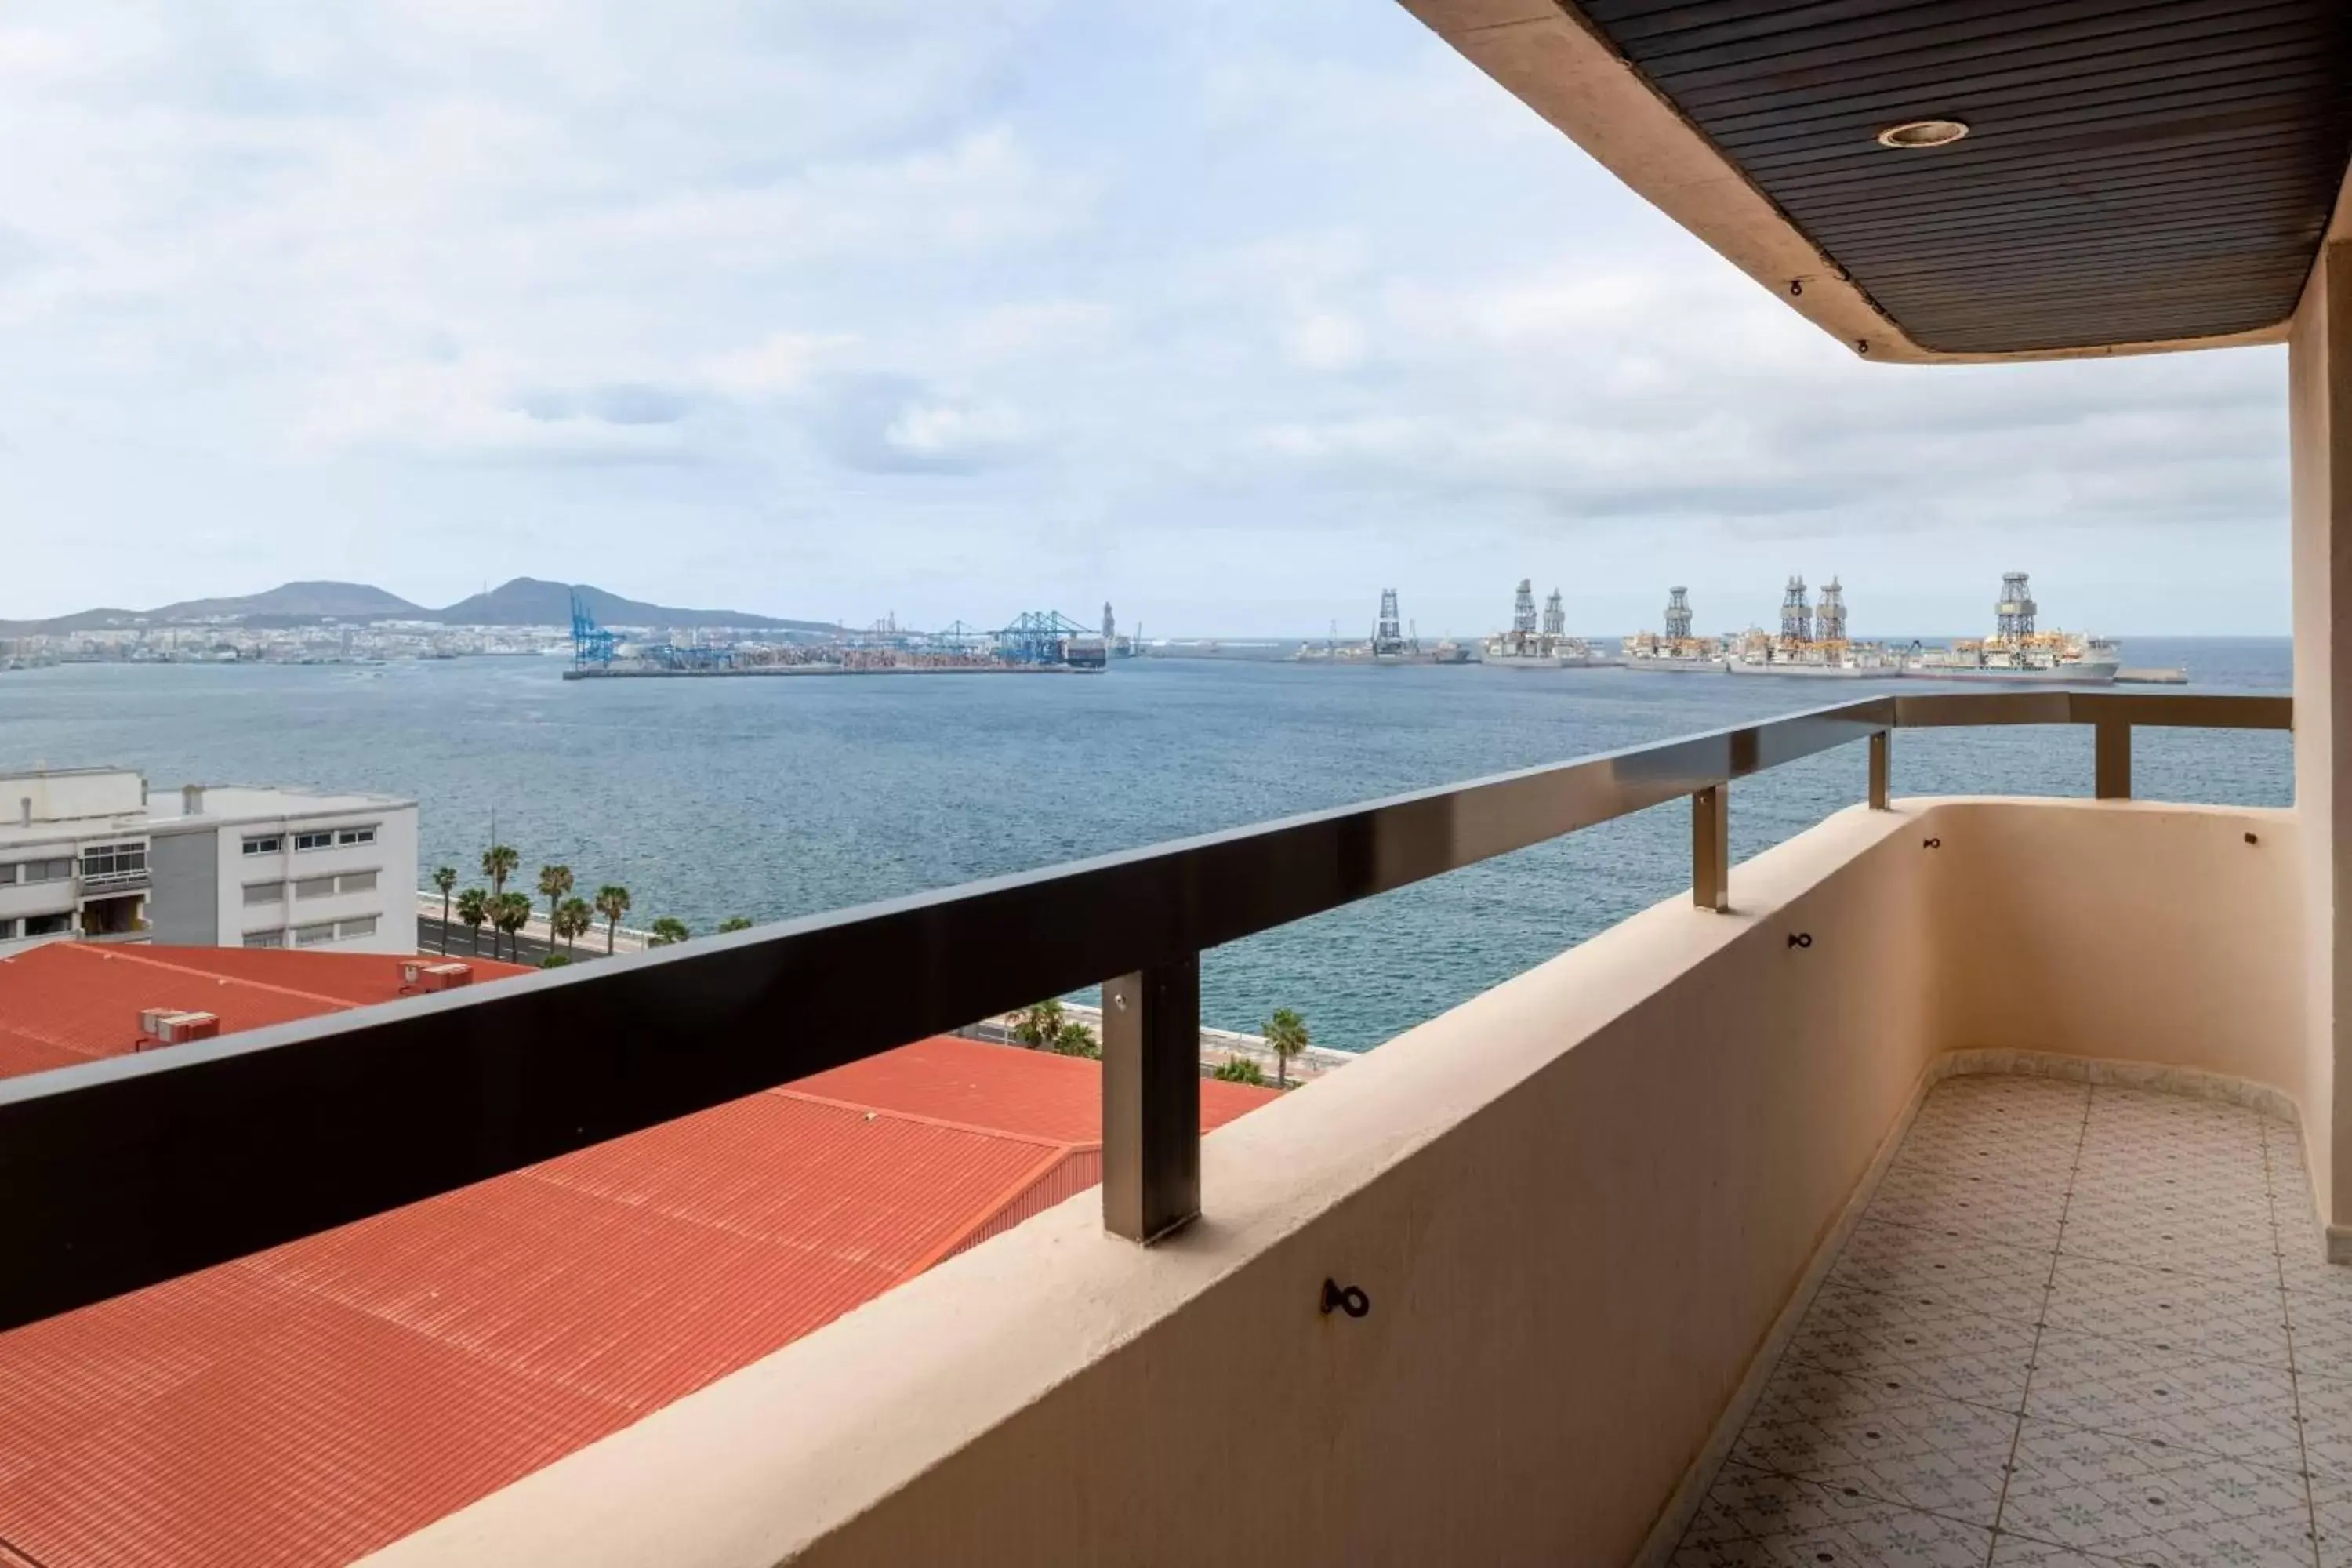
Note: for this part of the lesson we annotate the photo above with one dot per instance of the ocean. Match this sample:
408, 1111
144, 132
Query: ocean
768, 798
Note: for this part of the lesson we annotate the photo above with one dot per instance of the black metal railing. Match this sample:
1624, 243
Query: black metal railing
125, 1173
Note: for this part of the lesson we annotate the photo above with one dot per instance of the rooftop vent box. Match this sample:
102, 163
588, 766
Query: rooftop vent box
172, 1026
436, 976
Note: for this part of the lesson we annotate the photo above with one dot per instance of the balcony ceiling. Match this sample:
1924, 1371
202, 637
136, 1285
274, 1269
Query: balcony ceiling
2137, 173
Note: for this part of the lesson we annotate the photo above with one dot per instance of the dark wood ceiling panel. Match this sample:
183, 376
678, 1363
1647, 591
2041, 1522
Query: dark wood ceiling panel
2136, 171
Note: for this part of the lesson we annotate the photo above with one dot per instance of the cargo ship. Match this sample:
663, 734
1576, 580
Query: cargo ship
1678, 649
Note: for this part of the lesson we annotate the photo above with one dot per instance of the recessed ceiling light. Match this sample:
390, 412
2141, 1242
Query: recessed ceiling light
1922, 133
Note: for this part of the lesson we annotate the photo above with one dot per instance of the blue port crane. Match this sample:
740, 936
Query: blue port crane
1035, 637
591, 644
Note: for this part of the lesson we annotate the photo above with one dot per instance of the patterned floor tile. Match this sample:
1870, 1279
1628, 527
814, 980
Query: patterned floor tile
2243, 1320
2139, 1274
2326, 1405
2017, 1551
2121, 1497
2319, 1328
2181, 1196
1960, 1275
1982, 1360
2331, 1511
2233, 1409
2304, 1268
1751, 1519
1998, 1192
1855, 1435
2027, 1228
2245, 1252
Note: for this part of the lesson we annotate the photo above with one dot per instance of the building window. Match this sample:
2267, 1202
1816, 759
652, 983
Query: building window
46, 870
7, 930
314, 841
312, 936
264, 893
48, 925
355, 836
266, 844
364, 926
356, 882
314, 887
114, 860
265, 939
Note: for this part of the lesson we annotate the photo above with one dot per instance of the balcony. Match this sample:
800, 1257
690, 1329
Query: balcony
1535, 1281
1954, 1182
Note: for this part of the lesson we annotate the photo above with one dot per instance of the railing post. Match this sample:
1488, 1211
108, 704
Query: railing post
2111, 767
1151, 1100
1711, 849
1879, 743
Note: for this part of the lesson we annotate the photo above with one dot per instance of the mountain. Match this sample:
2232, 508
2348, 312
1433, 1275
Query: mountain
524, 602
532, 602
305, 601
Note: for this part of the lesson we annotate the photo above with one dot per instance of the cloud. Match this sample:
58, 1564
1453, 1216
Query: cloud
894, 425
1210, 308
623, 404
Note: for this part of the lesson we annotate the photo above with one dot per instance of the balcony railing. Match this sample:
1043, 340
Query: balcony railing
135, 1169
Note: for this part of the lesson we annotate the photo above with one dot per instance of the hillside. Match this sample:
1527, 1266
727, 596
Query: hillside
523, 602
308, 601
533, 602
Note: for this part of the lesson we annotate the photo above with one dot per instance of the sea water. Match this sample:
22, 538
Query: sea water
768, 798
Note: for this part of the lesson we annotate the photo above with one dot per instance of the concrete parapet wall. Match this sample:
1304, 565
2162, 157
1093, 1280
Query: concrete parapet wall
1577, 1203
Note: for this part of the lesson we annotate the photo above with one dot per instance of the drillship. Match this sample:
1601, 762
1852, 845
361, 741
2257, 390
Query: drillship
2017, 652
1527, 645
1678, 649
1813, 644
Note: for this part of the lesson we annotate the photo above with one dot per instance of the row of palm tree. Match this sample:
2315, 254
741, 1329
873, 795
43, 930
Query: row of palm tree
1285, 1036
1045, 1025
569, 918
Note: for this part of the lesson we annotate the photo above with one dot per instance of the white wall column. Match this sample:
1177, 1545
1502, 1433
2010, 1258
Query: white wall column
2319, 375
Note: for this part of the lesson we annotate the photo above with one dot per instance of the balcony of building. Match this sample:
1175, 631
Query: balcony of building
1954, 1180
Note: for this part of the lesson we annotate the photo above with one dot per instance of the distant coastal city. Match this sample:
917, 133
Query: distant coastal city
604, 636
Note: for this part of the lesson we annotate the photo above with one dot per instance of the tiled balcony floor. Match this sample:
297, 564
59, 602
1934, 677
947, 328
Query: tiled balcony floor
2076, 1325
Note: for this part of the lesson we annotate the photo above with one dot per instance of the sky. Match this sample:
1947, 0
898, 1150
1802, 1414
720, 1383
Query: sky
1232, 313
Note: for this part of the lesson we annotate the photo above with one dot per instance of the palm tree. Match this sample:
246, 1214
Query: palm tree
554, 882
474, 909
1040, 1025
572, 920
668, 930
498, 862
513, 914
445, 878
1286, 1033
612, 902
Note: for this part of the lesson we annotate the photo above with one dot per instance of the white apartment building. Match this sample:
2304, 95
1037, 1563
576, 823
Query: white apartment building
86, 855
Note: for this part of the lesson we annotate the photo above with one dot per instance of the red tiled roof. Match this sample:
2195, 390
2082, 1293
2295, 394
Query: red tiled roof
1027, 1093
310, 1404
68, 1001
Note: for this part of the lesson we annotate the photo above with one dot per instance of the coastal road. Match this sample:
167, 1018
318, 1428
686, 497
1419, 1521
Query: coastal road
530, 949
